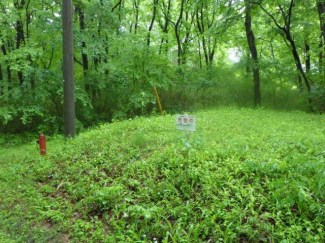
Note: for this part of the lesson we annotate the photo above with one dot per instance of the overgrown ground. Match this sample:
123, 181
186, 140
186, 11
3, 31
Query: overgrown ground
244, 176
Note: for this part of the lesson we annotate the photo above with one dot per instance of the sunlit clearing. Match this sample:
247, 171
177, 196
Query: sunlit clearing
234, 55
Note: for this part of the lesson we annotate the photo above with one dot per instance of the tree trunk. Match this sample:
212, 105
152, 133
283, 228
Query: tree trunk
165, 27
298, 61
320, 59
177, 33
155, 2
4, 51
209, 43
136, 7
321, 14
299, 65
83, 44
299, 81
212, 50
201, 28
186, 39
9, 79
200, 55
307, 57
286, 30
252, 47
68, 69
28, 18
1, 81
19, 35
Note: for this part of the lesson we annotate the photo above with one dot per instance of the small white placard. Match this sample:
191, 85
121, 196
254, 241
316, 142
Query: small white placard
185, 123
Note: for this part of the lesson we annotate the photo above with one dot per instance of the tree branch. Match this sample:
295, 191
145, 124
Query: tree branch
116, 5
52, 54
284, 16
271, 16
75, 59
166, 16
290, 13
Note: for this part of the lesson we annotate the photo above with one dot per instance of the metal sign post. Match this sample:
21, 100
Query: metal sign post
186, 123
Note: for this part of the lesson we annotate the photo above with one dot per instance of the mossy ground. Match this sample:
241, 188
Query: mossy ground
244, 176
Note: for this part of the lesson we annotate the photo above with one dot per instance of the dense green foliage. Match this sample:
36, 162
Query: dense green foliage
244, 176
185, 48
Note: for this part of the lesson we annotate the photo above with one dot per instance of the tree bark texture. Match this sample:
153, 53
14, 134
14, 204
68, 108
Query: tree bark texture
68, 69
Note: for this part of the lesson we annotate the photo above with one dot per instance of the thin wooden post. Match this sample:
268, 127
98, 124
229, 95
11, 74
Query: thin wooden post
158, 101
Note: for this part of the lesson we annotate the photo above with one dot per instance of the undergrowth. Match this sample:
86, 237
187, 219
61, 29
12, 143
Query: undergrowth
244, 176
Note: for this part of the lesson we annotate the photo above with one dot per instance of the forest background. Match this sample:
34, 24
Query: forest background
194, 53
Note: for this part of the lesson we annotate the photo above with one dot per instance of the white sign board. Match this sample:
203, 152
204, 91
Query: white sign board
185, 123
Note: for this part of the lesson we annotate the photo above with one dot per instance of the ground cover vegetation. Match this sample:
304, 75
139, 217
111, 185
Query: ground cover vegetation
125, 50
245, 176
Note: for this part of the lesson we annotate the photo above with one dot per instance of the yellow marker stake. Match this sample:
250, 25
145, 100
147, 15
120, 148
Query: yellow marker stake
158, 100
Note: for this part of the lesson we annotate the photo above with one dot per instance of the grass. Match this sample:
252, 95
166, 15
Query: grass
244, 176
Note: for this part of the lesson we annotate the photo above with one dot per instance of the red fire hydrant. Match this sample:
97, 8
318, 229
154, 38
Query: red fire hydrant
42, 144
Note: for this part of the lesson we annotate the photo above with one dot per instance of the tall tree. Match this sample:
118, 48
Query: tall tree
20, 36
177, 32
154, 13
321, 14
4, 51
1, 81
286, 16
205, 18
68, 69
166, 7
82, 26
253, 50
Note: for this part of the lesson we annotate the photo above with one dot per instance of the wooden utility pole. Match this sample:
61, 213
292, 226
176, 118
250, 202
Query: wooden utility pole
68, 83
